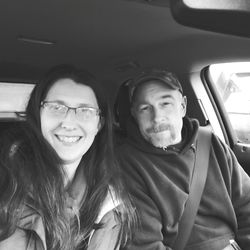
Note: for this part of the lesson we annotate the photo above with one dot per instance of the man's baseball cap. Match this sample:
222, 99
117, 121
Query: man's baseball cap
161, 75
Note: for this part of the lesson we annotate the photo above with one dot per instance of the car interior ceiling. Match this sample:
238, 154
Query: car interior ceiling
114, 40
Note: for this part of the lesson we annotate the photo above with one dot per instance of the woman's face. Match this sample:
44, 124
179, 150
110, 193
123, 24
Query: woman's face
70, 134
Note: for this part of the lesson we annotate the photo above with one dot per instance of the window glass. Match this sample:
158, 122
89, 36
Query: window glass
232, 81
14, 96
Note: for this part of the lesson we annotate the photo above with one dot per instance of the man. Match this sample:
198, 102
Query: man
158, 160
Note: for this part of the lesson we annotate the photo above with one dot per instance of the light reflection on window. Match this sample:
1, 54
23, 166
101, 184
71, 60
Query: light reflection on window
233, 83
14, 96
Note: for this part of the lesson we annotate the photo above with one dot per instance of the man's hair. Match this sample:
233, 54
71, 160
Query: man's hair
153, 74
126, 92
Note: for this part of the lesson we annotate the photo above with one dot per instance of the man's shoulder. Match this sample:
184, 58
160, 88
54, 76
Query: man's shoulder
125, 146
218, 145
127, 153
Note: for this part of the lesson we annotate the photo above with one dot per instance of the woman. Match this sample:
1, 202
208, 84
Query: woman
63, 192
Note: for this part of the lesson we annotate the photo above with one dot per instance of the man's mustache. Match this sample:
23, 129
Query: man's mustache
158, 128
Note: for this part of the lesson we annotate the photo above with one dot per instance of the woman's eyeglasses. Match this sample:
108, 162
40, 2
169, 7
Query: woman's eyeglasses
61, 110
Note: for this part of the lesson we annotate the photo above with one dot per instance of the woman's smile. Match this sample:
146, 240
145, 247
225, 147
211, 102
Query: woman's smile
68, 139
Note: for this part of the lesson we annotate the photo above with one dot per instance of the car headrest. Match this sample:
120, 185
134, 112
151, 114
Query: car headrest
122, 106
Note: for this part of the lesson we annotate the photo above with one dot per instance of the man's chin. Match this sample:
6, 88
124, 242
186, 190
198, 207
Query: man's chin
161, 143
161, 140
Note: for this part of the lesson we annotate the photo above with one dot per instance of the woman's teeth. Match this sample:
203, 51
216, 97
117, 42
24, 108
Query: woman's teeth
68, 139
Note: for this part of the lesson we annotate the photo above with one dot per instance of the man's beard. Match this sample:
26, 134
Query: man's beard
162, 135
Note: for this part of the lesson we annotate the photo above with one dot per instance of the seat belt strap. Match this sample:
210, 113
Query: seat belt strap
196, 189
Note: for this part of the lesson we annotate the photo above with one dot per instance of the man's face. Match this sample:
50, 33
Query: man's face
158, 111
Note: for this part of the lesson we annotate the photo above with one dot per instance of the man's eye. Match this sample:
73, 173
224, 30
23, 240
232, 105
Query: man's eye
144, 108
165, 104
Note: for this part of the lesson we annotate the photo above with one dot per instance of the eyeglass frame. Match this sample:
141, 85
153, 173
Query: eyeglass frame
97, 110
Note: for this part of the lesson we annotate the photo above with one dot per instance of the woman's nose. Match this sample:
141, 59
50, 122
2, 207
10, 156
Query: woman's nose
69, 120
70, 115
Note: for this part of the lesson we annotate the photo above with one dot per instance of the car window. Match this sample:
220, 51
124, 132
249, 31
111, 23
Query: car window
14, 98
232, 82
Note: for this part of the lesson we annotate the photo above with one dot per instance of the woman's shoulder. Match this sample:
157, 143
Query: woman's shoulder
31, 221
29, 230
107, 236
111, 203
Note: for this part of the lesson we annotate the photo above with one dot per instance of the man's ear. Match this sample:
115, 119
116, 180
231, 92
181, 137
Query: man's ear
101, 123
132, 111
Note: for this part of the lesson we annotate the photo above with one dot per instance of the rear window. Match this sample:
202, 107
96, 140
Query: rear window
14, 98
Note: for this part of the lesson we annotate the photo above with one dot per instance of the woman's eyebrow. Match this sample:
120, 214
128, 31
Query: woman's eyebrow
78, 104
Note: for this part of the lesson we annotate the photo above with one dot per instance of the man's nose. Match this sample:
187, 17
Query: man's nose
157, 115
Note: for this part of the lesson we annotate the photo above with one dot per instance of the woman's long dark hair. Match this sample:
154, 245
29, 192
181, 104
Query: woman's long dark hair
30, 174
100, 170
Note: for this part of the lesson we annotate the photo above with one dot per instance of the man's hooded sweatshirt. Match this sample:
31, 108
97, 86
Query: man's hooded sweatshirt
159, 182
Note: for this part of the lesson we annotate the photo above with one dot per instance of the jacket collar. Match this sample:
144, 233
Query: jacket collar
31, 217
32, 221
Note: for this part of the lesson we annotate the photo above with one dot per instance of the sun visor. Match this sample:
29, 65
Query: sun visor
223, 16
